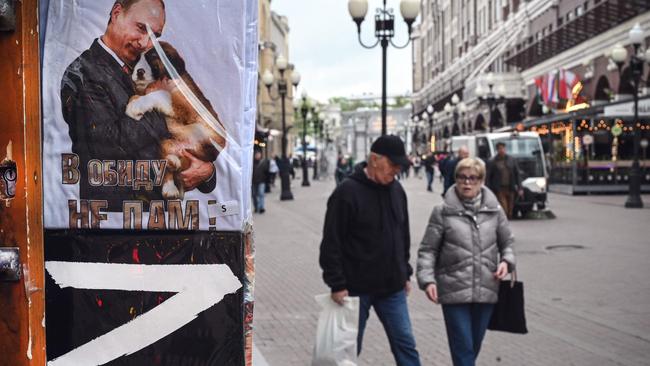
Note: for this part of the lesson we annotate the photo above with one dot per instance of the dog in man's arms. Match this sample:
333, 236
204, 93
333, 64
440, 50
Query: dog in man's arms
188, 129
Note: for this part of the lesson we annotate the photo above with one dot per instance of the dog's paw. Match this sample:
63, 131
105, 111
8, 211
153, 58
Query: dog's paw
164, 103
173, 162
170, 191
135, 108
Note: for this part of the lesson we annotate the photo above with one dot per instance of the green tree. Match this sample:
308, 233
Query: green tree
400, 101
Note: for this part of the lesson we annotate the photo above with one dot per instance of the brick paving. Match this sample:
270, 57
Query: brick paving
586, 307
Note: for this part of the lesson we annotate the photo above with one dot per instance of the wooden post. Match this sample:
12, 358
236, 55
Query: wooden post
22, 333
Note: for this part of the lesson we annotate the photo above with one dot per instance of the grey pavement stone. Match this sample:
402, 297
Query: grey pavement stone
584, 307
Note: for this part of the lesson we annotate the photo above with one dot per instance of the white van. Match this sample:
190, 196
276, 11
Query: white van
526, 148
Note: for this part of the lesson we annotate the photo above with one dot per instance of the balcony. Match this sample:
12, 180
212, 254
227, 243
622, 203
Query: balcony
601, 17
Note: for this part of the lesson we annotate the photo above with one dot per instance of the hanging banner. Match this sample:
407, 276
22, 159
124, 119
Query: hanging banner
149, 114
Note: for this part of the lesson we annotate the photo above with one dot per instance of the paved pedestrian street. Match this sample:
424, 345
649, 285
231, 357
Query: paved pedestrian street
587, 299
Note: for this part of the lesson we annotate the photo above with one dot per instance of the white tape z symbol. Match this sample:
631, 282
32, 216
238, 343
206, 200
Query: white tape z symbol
197, 287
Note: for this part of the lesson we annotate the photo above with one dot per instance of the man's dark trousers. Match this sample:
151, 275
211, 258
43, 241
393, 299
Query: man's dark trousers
393, 314
429, 180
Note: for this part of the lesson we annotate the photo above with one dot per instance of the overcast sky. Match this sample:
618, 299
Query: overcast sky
324, 47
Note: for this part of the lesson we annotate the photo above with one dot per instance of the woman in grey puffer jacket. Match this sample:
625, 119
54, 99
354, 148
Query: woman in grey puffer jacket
466, 250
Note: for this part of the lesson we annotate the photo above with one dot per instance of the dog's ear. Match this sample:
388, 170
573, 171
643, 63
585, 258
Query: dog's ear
174, 57
157, 68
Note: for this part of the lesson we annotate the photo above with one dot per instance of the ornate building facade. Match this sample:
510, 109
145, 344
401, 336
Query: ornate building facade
273, 42
519, 42
545, 66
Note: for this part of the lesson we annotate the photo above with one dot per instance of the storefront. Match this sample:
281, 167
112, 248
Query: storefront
591, 150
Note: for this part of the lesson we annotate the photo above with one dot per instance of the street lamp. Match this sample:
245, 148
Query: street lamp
317, 121
425, 117
619, 55
491, 98
456, 109
304, 106
430, 113
415, 137
384, 32
268, 79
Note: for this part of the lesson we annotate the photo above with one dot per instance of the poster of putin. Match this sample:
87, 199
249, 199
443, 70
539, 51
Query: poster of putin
149, 111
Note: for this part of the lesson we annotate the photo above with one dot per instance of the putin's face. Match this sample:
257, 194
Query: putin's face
126, 34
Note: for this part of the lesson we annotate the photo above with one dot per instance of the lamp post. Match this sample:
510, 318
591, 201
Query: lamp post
619, 55
431, 114
384, 32
268, 79
456, 109
490, 97
416, 132
424, 135
304, 111
317, 123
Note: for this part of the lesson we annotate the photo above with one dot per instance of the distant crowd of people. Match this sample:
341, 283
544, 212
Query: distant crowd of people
266, 171
502, 176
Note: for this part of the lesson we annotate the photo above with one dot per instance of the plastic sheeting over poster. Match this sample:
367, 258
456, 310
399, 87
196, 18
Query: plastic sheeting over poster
178, 155
148, 125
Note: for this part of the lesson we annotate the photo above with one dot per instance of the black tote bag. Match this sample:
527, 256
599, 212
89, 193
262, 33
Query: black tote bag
509, 315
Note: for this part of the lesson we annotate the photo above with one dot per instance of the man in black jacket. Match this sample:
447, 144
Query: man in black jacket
448, 167
366, 242
429, 163
503, 179
95, 90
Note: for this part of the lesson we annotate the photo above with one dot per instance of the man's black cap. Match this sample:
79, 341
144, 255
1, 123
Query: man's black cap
392, 147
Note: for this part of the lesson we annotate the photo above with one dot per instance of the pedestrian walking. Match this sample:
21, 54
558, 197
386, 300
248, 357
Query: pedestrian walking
465, 252
296, 163
366, 243
406, 170
503, 179
260, 177
417, 165
274, 169
343, 170
290, 166
448, 167
439, 159
429, 163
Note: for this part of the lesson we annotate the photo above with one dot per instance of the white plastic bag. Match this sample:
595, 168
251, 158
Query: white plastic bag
336, 336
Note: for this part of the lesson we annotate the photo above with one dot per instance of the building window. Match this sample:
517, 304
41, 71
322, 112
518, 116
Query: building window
586, 5
579, 10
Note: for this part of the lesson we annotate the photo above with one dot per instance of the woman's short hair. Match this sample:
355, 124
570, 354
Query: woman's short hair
471, 163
